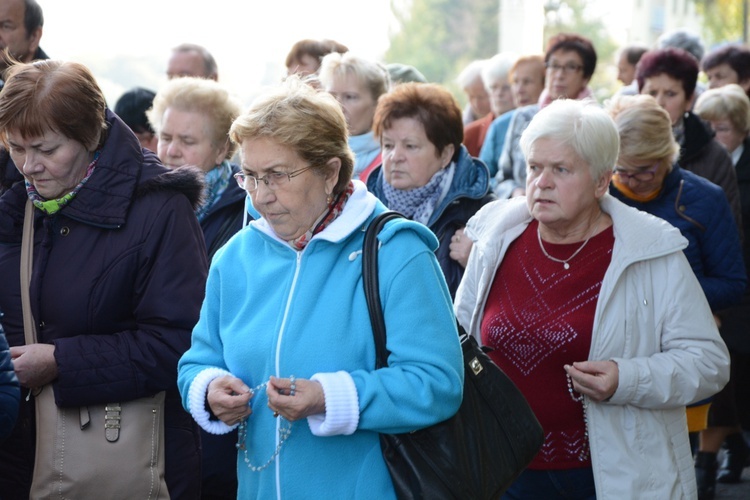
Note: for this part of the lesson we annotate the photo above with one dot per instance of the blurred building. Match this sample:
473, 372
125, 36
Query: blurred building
628, 21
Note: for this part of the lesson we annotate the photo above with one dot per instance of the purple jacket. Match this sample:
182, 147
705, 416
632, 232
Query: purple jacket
117, 285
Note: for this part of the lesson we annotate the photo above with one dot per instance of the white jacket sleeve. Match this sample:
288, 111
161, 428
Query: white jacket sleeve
690, 362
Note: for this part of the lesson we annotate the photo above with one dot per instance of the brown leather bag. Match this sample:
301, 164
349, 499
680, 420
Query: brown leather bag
112, 451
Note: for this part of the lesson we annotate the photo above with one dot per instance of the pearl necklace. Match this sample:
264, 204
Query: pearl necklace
580, 399
565, 262
284, 431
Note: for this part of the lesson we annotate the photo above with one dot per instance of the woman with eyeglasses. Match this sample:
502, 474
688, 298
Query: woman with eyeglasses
669, 75
590, 307
648, 178
570, 61
284, 349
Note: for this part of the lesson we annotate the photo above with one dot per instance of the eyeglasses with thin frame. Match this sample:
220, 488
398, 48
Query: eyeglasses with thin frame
273, 180
565, 68
640, 176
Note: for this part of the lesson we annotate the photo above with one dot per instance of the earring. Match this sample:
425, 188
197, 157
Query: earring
329, 198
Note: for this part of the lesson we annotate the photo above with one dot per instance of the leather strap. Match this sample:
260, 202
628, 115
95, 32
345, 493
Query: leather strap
27, 259
371, 284
112, 426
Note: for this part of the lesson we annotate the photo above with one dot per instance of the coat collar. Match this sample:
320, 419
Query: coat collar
106, 197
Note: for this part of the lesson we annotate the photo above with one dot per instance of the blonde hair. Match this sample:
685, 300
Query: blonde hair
307, 120
198, 95
372, 74
729, 102
645, 129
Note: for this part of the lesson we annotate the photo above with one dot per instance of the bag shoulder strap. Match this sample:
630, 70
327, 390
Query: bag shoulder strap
371, 284
27, 258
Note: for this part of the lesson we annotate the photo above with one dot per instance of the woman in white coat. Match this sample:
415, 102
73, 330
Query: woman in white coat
595, 314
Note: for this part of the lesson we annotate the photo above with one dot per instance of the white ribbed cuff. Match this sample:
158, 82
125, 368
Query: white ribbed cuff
197, 401
342, 405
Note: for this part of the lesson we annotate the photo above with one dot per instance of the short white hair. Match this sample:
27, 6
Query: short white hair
582, 125
498, 68
471, 73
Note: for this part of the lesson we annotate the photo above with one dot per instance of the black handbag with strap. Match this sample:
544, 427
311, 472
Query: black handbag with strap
477, 453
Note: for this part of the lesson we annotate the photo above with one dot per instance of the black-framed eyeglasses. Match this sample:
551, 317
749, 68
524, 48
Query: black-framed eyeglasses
565, 68
273, 180
640, 176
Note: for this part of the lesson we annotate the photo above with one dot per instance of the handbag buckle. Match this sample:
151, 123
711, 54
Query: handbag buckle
476, 366
112, 421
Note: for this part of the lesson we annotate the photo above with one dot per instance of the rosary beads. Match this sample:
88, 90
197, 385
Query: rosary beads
284, 431
580, 399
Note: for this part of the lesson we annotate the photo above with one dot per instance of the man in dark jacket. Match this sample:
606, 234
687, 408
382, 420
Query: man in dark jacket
25, 20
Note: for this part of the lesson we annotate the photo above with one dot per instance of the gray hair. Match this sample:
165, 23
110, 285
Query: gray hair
583, 126
498, 68
682, 39
471, 73
371, 73
210, 67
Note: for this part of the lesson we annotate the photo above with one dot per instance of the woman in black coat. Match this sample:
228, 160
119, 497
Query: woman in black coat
119, 263
727, 110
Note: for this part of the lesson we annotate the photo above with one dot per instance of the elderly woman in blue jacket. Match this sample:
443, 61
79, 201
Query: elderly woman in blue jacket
284, 350
427, 174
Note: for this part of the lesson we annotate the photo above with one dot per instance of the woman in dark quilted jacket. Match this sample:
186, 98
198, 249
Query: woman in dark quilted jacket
119, 265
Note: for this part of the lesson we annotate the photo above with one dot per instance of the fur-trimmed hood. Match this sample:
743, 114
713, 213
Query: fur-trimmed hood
187, 180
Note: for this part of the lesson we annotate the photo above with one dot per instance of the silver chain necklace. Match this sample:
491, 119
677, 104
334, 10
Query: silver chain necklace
565, 262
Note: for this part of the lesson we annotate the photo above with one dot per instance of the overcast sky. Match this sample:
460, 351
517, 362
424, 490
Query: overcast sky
248, 38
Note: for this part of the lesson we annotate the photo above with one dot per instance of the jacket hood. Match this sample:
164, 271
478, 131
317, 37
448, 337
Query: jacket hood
638, 235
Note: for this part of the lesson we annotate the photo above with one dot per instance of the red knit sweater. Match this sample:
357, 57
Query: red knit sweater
539, 317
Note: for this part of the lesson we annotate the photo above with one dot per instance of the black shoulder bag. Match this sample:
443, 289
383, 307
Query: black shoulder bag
477, 453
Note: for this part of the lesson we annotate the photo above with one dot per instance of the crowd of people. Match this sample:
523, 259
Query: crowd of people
183, 244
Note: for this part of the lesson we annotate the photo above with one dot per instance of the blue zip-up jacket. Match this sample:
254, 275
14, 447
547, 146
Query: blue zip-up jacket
469, 192
700, 210
272, 310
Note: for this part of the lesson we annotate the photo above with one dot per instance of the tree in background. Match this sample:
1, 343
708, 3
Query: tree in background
439, 37
722, 20
571, 16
